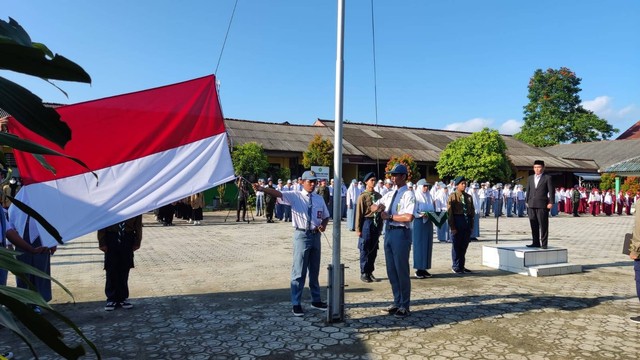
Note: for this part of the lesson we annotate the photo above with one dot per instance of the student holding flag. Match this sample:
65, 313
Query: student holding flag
310, 216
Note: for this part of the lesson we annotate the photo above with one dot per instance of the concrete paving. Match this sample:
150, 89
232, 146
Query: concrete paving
221, 291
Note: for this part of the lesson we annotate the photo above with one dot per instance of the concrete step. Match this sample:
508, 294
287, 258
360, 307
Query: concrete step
520, 259
554, 269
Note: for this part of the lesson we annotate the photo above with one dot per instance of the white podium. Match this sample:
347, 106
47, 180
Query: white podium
528, 261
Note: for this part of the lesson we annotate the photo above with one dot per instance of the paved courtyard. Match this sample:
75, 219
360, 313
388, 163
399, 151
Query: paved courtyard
220, 291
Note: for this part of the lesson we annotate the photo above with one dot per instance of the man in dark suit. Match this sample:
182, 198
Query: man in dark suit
540, 197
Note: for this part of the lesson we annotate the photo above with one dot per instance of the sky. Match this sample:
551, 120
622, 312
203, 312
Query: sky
447, 64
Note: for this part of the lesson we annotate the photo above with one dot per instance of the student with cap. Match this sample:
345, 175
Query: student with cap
309, 218
575, 200
540, 195
397, 208
422, 230
461, 214
368, 226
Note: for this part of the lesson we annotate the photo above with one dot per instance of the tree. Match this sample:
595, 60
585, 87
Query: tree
408, 161
630, 184
21, 55
607, 181
249, 160
479, 156
319, 153
554, 114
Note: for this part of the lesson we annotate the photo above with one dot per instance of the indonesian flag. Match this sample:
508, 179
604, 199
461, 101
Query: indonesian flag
148, 149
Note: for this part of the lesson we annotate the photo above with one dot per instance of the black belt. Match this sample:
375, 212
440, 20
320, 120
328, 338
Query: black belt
312, 231
393, 227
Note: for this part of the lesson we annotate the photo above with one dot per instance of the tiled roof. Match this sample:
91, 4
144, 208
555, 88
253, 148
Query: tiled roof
425, 145
604, 153
279, 137
633, 132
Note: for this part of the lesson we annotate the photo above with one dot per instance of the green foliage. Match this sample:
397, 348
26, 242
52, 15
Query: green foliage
283, 173
21, 55
409, 162
319, 153
221, 190
249, 160
607, 181
480, 156
554, 114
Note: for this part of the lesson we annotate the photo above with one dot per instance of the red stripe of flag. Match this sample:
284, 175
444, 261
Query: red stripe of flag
121, 128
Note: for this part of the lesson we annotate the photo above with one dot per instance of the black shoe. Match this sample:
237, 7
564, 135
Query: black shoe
457, 271
533, 246
373, 278
125, 305
419, 274
543, 247
635, 319
466, 271
319, 305
391, 310
297, 310
402, 313
576, 215
365, 278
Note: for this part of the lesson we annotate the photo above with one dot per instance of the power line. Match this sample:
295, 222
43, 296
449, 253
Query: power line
226, 35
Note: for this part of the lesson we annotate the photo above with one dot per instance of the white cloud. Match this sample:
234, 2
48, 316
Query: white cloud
601, 105
628, 110
510, 127
604, 107
476, 124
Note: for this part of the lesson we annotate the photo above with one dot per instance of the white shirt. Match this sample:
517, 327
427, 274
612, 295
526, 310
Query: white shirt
299, 201
20, 217
536, 179
404, 203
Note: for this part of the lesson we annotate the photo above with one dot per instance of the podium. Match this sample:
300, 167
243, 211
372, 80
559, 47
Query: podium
522, 260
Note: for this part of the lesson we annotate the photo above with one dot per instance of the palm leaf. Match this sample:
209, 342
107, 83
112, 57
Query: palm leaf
31, 147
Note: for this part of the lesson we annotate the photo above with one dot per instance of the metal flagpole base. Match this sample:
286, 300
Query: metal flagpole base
335, 296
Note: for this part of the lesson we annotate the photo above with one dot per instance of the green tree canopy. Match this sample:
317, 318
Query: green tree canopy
554, 113
319, 153
249, 160
409, 162
607, 181
480, 156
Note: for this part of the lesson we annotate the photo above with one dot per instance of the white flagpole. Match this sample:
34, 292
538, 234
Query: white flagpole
335, 312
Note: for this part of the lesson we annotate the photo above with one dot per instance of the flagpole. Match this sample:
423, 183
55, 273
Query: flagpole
335, 311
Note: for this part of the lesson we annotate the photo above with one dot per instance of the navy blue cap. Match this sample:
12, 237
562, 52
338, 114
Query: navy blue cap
368, 176
458, 180
398, 169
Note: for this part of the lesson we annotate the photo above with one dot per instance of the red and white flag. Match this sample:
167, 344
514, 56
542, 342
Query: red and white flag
148, 148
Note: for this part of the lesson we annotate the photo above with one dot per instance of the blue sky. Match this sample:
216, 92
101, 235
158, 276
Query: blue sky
448, 64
